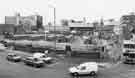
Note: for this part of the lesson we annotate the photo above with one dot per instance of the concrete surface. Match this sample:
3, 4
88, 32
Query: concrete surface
59, 69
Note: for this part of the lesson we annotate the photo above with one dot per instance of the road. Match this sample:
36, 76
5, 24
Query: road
59, 69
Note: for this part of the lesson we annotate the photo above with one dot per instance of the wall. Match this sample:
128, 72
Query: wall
10, 20
57, 28
7, 28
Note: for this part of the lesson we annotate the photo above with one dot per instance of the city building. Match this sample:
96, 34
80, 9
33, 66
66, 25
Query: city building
11, 20
28, 22
9, 28
128, 23
80, 26
108, 29
56, 28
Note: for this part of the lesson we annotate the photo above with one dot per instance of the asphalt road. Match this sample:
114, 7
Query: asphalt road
59, 69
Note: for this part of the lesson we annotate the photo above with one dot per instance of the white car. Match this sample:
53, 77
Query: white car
43, 57
2, 47
88, 68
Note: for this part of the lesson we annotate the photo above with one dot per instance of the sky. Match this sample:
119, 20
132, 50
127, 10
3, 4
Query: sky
92, 10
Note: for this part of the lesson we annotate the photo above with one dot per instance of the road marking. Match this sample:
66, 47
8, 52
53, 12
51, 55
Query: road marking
133, 70
51, 65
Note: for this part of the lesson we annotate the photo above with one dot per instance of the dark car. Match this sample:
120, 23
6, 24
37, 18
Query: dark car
13, 57
34, 62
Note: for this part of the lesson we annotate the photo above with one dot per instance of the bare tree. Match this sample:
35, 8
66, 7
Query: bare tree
64, 22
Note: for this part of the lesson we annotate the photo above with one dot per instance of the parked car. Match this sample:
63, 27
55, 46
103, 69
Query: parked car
43, 57
2, 46
35, 62
13, 57
88, 68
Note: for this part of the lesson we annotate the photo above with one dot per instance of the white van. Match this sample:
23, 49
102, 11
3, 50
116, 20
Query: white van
88, 68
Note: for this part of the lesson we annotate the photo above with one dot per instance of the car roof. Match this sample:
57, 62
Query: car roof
12, 54
37, 55
30, 57
88, 64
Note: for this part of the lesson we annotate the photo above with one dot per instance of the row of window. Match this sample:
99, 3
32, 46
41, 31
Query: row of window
131, 55
132, 46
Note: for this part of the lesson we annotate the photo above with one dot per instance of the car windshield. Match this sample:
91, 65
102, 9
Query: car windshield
44, 56
14, 55
83, 68
78, 67
35, 59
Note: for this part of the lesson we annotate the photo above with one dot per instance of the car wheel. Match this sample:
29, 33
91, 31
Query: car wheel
75, 74
36, 66
7, 58
93, 73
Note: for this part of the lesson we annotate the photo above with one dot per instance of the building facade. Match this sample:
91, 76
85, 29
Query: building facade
11, 20
128, 23
82, 27
26, 21
56, 28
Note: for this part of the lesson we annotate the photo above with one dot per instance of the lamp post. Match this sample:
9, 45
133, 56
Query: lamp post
54, 21
55, 24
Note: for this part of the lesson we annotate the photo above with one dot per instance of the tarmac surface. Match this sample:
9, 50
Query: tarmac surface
59, 69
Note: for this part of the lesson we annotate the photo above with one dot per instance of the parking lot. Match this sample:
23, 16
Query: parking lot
59, 69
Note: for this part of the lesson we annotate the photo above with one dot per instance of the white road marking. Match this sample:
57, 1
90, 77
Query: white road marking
51, 65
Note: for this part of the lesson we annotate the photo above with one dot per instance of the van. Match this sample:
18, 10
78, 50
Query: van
88, 68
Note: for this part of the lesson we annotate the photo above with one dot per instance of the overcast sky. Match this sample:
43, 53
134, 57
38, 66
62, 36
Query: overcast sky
68, 9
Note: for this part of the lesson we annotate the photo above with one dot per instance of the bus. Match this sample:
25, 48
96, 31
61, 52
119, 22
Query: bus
129, 51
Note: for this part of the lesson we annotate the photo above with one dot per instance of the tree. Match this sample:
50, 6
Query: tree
72, 21
111, 20
101, 22
95, 24
65, 22
39, 22
49, 23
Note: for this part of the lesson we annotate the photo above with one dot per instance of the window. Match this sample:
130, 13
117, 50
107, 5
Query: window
44, 56
132, 55
35, 59
83, 68
132, 46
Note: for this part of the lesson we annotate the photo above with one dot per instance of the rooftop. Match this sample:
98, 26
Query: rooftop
115, 23
80, 25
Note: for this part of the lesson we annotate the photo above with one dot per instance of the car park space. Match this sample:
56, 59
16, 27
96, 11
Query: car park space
59, 69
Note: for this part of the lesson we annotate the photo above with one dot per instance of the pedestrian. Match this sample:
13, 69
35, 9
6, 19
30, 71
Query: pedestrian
68, 50
119, 58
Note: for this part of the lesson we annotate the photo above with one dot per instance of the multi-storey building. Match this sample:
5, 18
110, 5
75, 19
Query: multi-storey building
26, 21
128, 23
